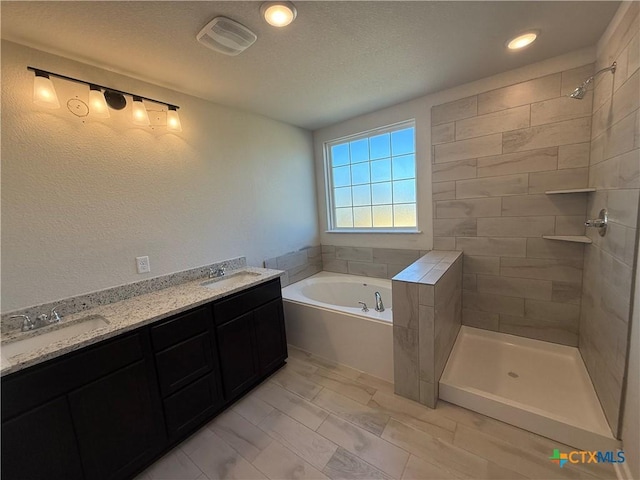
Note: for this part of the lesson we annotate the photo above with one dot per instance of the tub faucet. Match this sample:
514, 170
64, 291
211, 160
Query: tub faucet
364, 306
379, 304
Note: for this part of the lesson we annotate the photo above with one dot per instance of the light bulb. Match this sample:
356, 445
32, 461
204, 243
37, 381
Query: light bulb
279, 14
44, 93
522, 41
173, 119
97, 104
140, 115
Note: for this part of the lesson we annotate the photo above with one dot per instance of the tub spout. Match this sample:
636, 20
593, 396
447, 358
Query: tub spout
379, 304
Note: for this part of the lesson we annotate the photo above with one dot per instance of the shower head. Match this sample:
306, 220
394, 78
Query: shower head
581, 90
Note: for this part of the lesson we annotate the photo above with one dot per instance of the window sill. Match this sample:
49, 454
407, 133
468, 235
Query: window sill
374, 231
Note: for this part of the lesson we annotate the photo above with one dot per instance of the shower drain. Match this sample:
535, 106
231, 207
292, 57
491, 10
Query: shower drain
513, 374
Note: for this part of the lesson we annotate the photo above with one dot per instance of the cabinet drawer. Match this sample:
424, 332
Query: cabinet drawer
185, 409
179, 328
245, 301
182, 363
35, 386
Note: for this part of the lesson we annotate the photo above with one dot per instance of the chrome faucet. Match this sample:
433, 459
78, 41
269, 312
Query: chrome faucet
41, 320
216, 272
364, 306
54, 316
27, 324
379, 304
599, 223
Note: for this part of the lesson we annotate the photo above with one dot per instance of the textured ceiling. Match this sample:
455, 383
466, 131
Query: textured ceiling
337, 60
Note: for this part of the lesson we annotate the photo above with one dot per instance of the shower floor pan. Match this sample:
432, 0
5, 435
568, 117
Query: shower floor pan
539, 386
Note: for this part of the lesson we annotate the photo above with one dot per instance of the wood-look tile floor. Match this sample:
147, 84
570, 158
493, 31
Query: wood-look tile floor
315, 420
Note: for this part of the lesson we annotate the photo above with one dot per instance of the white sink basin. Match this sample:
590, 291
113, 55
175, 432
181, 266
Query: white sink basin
237, 277
31, 343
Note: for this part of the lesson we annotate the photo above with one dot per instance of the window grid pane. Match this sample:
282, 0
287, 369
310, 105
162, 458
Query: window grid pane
342, 176
344, 217
382, 216
342, 197
362, 217
374, 180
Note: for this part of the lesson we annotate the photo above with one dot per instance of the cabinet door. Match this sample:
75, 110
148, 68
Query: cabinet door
40, 444
116, 423
270, 336
236, 347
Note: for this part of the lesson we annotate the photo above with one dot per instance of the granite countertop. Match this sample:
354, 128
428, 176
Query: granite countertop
127, 315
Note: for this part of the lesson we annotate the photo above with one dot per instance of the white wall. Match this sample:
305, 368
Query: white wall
82, 198
420, 110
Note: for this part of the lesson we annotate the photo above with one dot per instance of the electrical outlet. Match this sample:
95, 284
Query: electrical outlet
142, 263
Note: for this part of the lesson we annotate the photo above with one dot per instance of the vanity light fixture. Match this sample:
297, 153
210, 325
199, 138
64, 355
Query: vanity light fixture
523, 40
278, 14
140, 115
44, 94
97, 103
173, 120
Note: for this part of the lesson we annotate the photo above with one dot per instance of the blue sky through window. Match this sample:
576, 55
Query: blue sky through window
373, 180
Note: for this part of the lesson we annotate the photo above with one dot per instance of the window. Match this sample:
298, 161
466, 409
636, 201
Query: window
371, 180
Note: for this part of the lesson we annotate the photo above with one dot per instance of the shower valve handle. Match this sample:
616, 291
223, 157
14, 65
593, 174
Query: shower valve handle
599, 223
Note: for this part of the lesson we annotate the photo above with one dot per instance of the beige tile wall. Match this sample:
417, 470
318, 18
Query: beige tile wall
297, 265
427, 312
615, 173
367, 261
494, 156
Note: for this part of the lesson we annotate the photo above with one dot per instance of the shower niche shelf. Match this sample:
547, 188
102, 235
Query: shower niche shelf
568, 238
570, 190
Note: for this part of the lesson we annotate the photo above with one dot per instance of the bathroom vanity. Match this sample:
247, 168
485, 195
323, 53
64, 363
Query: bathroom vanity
108, 409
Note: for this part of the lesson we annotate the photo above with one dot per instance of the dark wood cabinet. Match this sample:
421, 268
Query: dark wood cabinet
99, 414
188, 372
191, 406
181, 364
116, 423
108, 410
271, 346
40, 444
236, 347
251, 337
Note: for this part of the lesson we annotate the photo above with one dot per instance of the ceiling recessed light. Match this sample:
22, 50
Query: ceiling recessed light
522, 41
278, 14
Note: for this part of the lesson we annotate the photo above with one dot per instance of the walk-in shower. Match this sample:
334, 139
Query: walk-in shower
581, 90
540, 386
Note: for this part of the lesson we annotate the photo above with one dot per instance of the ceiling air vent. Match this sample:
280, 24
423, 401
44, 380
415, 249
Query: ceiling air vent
226, 36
